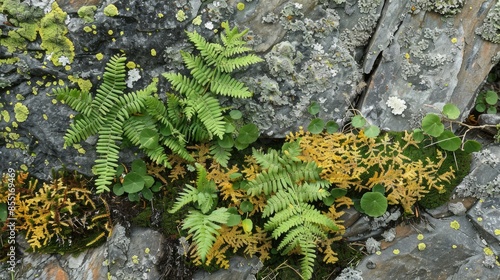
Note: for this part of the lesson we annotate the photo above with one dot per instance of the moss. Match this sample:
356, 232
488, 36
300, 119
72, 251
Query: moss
87, 13
434, 198
111, 10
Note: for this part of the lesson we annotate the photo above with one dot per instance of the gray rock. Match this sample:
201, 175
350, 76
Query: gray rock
485, 216
447, 254
240, 268
483, 179
426, 61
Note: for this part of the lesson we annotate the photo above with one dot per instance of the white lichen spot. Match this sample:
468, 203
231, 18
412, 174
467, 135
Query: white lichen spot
63, 60
209, 25
298, 5
133, 76
396, 104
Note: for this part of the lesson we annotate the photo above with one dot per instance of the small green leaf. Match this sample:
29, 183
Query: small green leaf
165, 131
491, 97
358, 121
139, 167
247, 225
378, 188
234, 219
431, 124
119, 170
372, 131
133, 197
133, 183
3, 212
418, 135
147, 194
230, 128
374, 204
235, 176
156, 187
332, 127
480, 107
471, 146
246, 206
227, 141
338, 192
314, 108
148, 181
451, 111
235, 114
149, 138
491, 110
118, 189
448, 141
240, 146
316, 126
329, 200
248, 134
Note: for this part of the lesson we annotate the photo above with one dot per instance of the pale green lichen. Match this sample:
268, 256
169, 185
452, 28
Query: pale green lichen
490, 30
444, 7
87, 13
111, 10
21, 112
181, 16
6, 116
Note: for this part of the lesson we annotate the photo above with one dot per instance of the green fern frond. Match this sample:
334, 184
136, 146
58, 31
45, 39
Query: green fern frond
184, 85
108, 151
266, 160
308, 250
81, 129
210, 114
178, 148
270, 181
224, 84
205, 228
220, 154
76, 99
228, 65
200, 72
189, 195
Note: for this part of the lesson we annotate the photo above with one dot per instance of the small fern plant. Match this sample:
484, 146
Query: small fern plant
203, 221
105, 115
292, 186
196, 110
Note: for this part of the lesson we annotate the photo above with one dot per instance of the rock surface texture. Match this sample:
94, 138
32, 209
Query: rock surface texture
391, 60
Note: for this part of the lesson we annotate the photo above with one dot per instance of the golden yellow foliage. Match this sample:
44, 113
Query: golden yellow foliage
354, 161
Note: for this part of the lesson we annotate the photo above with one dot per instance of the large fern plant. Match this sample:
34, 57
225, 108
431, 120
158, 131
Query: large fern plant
292, 186
105, 115
151, 124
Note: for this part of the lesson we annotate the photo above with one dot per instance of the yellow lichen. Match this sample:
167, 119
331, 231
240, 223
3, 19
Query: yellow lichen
111, 10
396, 251
21, 112
99, 56
455, 225
420, 236
421, 246
153, 52
180, 16
197, 20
